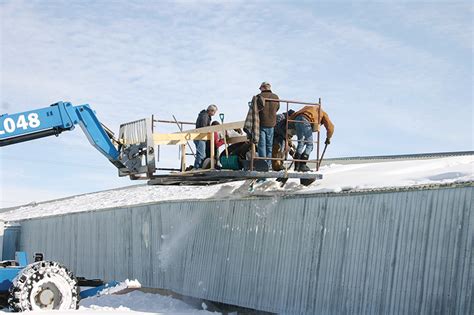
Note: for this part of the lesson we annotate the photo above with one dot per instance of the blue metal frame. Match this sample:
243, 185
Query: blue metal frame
53, 120
21, 258
95, 133
60, 116
8, 274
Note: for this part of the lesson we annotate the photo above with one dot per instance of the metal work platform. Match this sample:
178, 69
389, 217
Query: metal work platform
141, 141
212, 177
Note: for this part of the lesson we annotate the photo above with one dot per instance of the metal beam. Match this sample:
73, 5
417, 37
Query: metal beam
178, 138
221, 127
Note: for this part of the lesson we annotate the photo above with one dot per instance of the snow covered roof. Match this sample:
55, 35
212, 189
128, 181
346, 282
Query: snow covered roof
336, 178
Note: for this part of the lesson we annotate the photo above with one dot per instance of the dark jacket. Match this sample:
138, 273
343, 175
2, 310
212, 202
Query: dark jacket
203, 120
280, 127
268, 113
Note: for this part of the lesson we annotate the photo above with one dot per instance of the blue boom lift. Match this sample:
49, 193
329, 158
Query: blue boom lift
40, 285
131, 159
43, 285
133, 153
48, 284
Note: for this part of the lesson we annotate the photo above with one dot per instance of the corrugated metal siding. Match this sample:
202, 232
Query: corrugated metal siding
407, 252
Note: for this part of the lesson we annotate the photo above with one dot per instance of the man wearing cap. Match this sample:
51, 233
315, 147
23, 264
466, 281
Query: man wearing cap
267, 121
203, 120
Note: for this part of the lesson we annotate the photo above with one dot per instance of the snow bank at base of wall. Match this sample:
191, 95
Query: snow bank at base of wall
137, 301
336, 178
133, 303
120, 287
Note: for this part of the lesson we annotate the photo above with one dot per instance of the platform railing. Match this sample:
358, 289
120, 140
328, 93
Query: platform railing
287, 139
182, 148
209, 136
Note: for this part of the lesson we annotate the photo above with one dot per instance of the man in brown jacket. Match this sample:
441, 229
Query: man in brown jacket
308, 121
267, 121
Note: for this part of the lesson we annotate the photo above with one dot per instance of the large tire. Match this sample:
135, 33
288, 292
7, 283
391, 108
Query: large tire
44, 285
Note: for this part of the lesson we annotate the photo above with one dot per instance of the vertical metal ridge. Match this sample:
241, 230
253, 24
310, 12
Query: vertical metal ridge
365, 253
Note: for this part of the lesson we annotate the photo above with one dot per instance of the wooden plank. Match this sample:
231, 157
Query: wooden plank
178, 138
231, 140
253, 156
221, 127
213, 160
183, 157
220, 176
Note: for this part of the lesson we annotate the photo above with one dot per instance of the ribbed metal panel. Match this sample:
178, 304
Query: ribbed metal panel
403, 252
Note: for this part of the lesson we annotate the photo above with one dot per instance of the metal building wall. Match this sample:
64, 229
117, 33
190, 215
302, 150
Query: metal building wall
405, 252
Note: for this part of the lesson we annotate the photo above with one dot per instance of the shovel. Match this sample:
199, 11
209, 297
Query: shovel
322, 155
221, 116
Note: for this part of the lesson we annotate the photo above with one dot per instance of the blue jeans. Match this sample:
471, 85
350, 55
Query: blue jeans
304, 132
265, 143
200, 153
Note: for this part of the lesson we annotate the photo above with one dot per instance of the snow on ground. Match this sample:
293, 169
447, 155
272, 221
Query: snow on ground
139, 302
336, 178
133, 303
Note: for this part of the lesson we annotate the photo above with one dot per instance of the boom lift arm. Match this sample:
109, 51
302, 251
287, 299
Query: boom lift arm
63, 116
138, 144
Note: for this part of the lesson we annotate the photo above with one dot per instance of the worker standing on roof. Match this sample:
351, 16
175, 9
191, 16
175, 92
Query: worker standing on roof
308, 121
267, 118
203, 120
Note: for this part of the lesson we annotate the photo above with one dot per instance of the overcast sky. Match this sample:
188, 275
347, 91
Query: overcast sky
395, 77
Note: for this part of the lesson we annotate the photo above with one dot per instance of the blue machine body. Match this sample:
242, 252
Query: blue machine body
53, 120
7, 274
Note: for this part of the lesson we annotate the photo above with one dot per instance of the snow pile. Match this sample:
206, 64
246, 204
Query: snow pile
127, 284
139, 302
394, 174
133, 303
337, 178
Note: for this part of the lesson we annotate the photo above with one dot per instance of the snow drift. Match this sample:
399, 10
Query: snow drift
336, 178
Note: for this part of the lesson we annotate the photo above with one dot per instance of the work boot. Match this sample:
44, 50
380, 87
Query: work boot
303, 167
297, 156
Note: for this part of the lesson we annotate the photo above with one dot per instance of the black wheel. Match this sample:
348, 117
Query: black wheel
307, 181
44, 285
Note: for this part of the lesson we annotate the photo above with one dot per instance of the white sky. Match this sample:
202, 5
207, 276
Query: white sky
395, 77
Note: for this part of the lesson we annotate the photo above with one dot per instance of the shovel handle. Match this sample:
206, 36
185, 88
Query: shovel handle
322, 156
221, 116
225, 144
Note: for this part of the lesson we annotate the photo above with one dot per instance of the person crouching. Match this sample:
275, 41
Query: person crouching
307, 122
